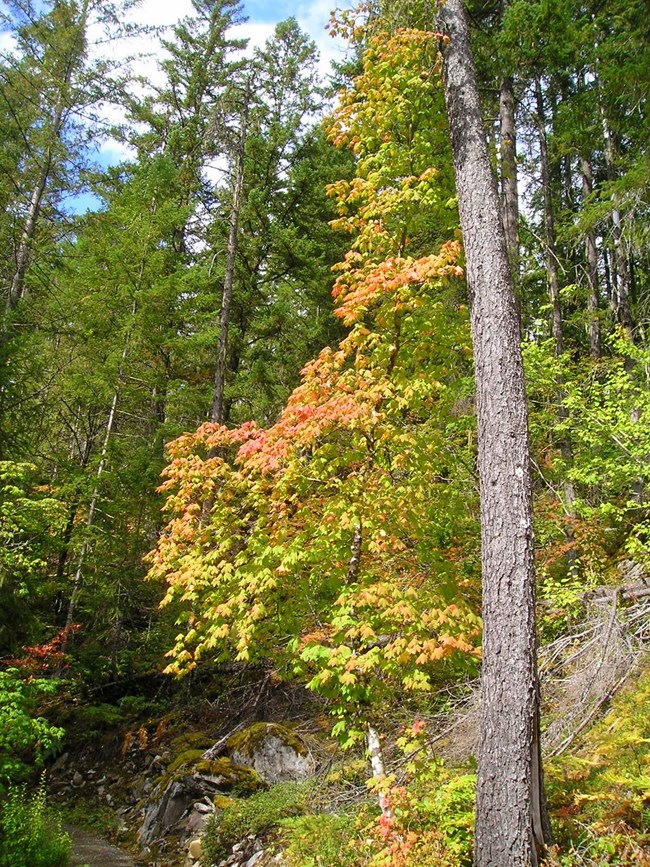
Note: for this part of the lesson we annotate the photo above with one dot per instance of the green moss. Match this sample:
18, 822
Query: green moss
236, 777
247, 740
182, 760
191, 741
222, 802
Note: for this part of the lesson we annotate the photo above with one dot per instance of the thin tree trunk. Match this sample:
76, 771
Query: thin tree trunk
591, 253
377, 766
16, 289
78, 578
549, 226
566, 449
217, 415
76, 584
621, 272
512, 828
509, 192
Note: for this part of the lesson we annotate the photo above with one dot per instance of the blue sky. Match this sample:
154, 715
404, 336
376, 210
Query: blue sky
263, 10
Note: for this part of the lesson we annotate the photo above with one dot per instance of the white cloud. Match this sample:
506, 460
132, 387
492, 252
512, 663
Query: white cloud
143, 52
313, 18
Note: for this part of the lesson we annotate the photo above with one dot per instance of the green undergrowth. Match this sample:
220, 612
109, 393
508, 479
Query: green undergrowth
599, 794
319, 840
86, 813
30, 832
257, 814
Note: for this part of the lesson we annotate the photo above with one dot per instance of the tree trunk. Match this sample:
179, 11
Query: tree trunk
217, 414
509, 193
621, 272
76, 584
566, 449
549, 226
593, 301
16, 288
78, 578
376, 756
512, 828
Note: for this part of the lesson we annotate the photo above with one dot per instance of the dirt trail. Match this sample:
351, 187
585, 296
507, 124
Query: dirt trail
95, 852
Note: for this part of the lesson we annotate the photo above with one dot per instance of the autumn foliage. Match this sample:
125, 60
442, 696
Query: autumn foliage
328, 541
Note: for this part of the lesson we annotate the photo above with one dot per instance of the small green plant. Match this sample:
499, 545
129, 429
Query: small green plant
30, 832
261, 812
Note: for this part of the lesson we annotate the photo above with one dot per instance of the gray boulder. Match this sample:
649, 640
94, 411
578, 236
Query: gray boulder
274, 751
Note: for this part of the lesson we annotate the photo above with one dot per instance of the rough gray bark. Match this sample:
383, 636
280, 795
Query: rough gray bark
511, 824
509, 193
218, 414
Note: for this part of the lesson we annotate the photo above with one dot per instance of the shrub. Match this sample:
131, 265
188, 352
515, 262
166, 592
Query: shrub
320, 840
261, 812
31, 833
25, 739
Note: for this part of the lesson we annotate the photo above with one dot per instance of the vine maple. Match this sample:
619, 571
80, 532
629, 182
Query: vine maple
331, 540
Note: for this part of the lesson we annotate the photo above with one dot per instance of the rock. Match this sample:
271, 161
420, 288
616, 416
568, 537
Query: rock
179, 791
161, 815
77, 780
195, 849
197, 822
274, 751
255, 858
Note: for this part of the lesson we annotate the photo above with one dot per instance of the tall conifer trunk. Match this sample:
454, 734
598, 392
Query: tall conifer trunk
511, 824
218, 405
593, 301
549, 226
621, 271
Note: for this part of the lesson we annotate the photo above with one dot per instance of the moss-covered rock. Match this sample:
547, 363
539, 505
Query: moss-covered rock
247, 740
276, 752
239, 778
189, 779
191, 741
